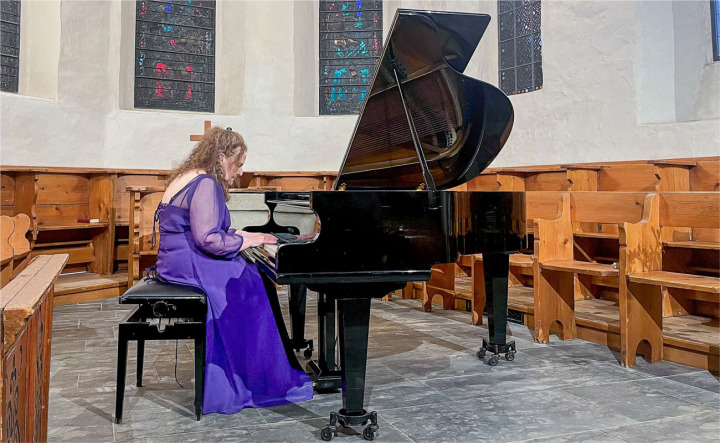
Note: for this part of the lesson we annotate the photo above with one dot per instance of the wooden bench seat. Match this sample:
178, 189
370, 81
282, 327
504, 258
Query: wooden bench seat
521, 260
677, 280
581, 267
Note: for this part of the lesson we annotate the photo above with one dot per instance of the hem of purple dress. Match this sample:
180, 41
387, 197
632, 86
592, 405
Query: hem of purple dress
300, 396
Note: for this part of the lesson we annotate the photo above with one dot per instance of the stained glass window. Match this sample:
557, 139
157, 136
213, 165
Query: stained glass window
715, 17
9, 45
175, 55
520, 46
350, 48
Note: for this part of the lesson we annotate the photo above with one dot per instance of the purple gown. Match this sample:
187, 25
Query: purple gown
247, 352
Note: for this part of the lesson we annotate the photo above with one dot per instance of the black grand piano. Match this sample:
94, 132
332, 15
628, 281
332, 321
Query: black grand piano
424, 128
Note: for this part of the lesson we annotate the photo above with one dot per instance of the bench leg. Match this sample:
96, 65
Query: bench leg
426, 298
121, 370
442, 282
554, 301
408, 291
479, 297
140, 357
640, 320
199, 375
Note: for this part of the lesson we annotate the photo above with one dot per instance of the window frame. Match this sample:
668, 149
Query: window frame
714, 13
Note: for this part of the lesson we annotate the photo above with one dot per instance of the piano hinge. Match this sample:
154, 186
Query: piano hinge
342, 187
421, 187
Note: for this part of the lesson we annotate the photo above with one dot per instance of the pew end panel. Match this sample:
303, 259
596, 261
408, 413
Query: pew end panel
553, 241
640, 313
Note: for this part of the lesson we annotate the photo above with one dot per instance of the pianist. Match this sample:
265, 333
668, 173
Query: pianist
246, 364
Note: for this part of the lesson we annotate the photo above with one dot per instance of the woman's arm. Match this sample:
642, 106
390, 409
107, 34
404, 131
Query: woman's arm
207, 210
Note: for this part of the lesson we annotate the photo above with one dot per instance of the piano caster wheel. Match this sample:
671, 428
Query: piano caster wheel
370, 433
481, 353
493, 360
510, 355
308, 353
327, 433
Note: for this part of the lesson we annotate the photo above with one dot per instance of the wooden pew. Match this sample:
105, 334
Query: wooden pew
292, 181
670, 288
464, 279
26, 310
565, 273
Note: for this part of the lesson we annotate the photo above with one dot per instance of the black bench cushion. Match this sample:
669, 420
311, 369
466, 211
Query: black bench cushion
148, 290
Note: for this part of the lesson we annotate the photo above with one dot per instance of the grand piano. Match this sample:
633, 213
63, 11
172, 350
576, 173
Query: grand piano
424, 128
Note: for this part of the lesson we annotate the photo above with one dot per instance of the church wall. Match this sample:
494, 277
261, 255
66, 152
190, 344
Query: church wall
615, 88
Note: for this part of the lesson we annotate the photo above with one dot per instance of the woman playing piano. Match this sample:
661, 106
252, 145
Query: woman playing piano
246, 364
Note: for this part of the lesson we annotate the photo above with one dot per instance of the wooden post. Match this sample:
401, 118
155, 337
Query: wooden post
100, 201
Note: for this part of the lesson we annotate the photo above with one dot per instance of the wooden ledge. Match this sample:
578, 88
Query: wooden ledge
73, 226
531, 169
692, 245
145, 189
588, 167
609, 235
677, 280
674, 162
581, 267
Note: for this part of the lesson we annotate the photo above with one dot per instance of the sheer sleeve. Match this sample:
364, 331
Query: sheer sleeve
207, 209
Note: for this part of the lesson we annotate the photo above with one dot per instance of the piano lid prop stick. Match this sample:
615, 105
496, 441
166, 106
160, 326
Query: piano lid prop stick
429, 181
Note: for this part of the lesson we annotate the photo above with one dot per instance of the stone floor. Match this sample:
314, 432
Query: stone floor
423, 379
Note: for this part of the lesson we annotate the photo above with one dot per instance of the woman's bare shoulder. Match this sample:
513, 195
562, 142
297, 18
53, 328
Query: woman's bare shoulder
180, 182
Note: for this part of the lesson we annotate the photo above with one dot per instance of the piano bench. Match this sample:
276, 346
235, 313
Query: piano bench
165, 311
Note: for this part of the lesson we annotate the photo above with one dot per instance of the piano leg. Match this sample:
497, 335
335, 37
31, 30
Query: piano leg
496, 267
324, 372
297, 298
353, 325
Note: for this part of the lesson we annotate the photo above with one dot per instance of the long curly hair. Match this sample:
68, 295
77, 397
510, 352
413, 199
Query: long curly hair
206, 155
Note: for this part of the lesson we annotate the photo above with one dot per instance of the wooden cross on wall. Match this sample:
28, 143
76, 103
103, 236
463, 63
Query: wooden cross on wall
197, 138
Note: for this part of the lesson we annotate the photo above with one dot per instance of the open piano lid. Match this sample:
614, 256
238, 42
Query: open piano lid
461, 123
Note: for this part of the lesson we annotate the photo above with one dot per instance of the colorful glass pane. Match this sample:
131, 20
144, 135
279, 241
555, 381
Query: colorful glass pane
175, 55
350, 48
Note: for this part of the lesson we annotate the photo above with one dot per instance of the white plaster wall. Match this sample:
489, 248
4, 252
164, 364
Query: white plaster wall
601, 83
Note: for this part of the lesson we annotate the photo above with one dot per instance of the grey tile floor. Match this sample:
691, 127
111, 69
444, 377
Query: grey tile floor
423, 379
